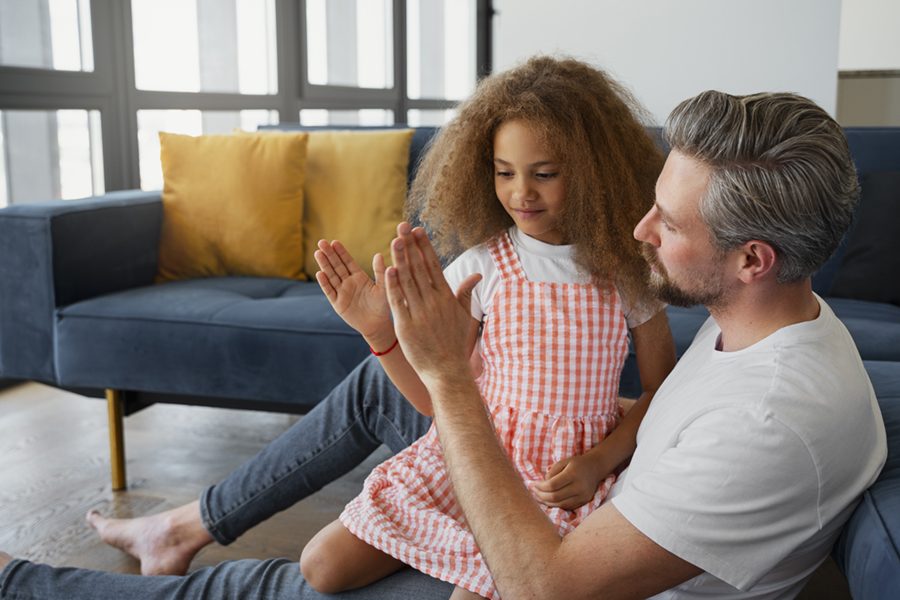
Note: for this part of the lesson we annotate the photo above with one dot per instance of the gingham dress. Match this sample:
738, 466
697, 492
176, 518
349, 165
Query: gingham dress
552, 355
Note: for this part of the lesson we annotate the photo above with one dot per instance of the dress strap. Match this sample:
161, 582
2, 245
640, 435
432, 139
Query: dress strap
505, 258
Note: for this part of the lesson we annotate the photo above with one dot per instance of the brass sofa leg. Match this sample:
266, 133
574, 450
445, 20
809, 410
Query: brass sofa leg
116, 439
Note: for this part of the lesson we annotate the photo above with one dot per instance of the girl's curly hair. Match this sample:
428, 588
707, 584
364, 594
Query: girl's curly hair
590, 124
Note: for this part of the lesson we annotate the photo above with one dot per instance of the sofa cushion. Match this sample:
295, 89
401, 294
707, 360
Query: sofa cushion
235, 337
874, 326
232, 205
868, 550
355, 191
871, 260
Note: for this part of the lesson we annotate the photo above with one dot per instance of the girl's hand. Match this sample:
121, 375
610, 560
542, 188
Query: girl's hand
361, 302
571, 482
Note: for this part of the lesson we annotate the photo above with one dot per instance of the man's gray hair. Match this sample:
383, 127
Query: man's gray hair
781, 174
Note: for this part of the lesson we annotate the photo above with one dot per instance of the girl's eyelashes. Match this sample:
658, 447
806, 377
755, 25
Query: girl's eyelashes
536, 175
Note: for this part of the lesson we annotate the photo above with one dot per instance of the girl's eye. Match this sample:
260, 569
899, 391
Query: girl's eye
504, 174
545, 175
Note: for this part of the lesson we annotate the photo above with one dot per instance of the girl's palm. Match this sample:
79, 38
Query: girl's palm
361, 302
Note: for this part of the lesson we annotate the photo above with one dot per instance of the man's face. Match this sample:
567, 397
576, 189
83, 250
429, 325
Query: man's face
685, 266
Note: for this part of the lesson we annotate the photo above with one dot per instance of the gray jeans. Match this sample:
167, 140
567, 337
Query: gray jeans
359, 415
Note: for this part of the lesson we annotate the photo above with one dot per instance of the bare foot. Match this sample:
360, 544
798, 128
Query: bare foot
5, 559
165, 543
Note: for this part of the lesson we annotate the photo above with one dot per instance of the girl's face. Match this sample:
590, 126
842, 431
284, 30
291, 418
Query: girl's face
528, 182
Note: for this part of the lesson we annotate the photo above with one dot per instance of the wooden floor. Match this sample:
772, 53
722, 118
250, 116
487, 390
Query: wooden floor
54, 467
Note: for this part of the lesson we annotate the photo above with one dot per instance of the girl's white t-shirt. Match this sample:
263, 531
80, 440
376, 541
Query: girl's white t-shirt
541, 262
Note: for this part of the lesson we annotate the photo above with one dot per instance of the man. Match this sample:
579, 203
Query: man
741, 480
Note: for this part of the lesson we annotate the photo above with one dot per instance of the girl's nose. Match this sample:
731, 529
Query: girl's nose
522, 191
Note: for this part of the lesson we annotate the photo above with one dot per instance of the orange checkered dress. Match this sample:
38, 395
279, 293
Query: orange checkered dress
552, 355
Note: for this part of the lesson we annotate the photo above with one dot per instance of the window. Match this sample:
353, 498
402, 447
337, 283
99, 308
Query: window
189, 122
441, 48
349, 43
363, 116
48, 34
417, 117
49, 154
205, 46
87, 85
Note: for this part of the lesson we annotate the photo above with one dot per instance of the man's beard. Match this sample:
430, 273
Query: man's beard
708, 291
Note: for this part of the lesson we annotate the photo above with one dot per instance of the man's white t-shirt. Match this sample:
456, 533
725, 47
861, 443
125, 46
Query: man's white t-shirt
748, 463
541, 262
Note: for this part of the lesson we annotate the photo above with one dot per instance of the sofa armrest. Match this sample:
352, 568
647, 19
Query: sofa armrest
56, 253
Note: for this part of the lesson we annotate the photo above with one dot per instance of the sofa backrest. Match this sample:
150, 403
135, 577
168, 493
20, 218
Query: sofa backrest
421, 137
873, 149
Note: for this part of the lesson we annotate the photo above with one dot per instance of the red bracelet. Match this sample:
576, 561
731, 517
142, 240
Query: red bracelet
377, 353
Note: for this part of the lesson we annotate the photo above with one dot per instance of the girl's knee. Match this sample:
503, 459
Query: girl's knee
336, 561
464, 594
319, 564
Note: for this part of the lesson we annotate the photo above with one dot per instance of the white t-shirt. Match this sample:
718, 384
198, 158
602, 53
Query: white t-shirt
748, 463
542, 263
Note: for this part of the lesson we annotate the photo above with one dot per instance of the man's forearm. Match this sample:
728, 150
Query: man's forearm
513, 534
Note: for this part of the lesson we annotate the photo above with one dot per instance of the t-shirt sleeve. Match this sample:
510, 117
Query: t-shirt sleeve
464, 265
736, 493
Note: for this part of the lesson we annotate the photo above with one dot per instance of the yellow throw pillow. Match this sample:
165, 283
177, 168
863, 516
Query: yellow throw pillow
355, 189
232, 205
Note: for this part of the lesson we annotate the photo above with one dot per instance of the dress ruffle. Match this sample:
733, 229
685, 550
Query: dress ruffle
408, 510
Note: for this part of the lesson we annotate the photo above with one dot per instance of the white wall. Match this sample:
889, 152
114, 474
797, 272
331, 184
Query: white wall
870, 35
668, 50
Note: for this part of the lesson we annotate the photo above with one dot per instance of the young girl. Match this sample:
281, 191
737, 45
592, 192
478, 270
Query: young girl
539, 182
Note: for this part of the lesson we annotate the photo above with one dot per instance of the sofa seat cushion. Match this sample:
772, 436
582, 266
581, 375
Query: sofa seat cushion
868, 550
234, 337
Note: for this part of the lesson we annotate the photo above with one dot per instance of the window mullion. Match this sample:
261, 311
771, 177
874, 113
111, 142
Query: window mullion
400, 62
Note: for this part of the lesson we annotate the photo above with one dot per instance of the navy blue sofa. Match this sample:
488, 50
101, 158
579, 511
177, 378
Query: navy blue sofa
79, 310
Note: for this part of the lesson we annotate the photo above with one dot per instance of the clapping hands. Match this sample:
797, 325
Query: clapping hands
432, 322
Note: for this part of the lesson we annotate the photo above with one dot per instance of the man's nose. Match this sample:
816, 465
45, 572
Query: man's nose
646, 229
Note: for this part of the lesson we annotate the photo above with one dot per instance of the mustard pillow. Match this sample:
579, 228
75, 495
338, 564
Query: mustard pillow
232, 205
355, 188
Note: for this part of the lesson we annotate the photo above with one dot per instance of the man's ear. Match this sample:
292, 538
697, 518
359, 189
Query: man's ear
758, 259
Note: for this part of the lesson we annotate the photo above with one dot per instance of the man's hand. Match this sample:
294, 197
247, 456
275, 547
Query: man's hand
431, 322
571, 482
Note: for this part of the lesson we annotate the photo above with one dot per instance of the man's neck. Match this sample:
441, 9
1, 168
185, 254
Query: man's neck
755, 313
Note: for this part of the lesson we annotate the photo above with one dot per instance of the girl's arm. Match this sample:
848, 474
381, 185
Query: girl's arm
362, 304
572, 482
402, 374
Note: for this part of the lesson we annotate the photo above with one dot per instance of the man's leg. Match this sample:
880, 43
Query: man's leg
271, 579
361, 413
